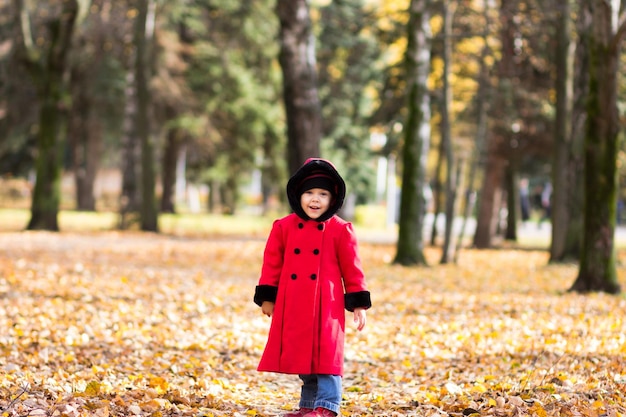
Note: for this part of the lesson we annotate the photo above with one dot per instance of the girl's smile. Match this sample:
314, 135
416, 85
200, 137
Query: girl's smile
315, 202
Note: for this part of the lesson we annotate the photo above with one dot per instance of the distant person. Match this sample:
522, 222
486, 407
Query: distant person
311, 272
546, 202
524, 197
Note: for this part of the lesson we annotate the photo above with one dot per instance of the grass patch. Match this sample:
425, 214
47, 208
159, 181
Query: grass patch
14, 220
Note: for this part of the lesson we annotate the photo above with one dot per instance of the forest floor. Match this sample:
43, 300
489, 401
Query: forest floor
128, 323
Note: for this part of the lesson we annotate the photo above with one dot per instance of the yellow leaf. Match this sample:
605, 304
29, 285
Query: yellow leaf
539, 410
93, 388
160, 384
598, 404
480, 388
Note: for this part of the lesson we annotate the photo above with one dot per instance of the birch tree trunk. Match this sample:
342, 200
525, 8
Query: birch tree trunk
451, 183
129, 197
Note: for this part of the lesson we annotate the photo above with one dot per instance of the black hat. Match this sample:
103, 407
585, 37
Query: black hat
322, 181
316, 173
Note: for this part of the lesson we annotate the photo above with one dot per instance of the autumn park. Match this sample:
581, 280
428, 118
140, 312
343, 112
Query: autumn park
132, 323
157, 158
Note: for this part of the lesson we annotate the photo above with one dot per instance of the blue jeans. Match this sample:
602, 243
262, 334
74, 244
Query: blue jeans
321, 391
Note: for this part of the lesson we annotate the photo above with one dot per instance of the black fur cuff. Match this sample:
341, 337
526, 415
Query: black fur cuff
265, 293
359, 299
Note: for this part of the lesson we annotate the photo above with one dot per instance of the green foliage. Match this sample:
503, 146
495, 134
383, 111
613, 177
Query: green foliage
348, 53
235, 82
217, 78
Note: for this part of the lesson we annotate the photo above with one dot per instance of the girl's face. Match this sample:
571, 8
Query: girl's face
315, 202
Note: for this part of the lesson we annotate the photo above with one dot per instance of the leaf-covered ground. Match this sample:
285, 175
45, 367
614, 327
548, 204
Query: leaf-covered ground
114, 324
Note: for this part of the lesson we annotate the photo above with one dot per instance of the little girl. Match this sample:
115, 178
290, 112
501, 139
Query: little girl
311, 272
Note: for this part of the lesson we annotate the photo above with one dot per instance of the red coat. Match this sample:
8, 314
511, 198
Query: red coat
314, 269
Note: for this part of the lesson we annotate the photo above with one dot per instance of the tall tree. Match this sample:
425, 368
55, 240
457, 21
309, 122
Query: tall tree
90, 90
575, 168
563, 178
144, 43
300, 95
446, 135
410, 246
597, 269
492, 190
482, 105
47, 67
521, 125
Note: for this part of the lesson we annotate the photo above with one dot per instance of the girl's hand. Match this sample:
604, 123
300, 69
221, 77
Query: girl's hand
359, 318
267, 308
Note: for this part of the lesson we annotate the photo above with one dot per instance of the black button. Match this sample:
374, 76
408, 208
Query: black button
313, 276
294, 276
296, 251
320, 227
300, 225
316, 251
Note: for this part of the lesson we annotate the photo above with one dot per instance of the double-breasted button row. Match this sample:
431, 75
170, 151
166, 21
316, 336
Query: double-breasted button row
316, 251
319, 226
313, 276
297, 251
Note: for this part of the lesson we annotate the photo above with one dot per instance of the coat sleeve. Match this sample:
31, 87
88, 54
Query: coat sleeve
357, 295
267, 289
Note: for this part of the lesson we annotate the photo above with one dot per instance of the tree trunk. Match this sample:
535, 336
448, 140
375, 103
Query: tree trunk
575, 168
47, 193
144, 37
437, 191
85, 137
410, 246
483, 94
48, 77
172, 149
491, 195
597, 270
561, 216
451, 183
511, 180
298, 63
129, 197
493, 181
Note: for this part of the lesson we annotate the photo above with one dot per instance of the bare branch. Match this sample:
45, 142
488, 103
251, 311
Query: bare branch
25, 389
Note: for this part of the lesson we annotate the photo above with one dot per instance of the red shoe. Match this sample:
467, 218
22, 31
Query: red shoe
300, 413
320, 412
